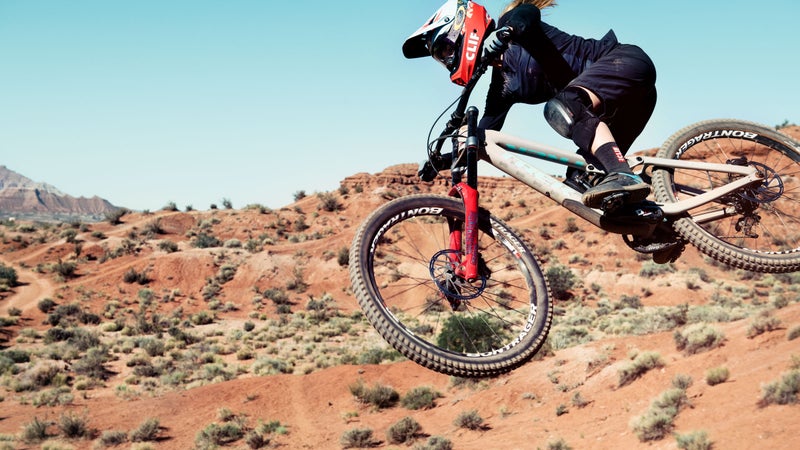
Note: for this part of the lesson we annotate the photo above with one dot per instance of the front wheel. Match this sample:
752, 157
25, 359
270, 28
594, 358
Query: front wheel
756, 228
405, 276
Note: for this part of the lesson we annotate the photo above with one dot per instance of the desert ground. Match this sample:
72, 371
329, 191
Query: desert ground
201, 322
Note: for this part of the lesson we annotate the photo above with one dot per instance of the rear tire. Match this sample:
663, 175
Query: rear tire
760, 230
399, 269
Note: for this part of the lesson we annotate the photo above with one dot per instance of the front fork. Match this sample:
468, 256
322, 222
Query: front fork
467, 267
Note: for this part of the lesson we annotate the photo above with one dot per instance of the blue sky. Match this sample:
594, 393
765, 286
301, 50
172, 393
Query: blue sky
193, 101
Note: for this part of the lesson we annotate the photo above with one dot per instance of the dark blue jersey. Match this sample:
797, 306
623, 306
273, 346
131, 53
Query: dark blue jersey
542, 60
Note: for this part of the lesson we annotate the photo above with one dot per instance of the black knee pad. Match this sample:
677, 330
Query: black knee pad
570, 114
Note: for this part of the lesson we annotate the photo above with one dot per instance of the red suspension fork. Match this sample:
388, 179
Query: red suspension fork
468, 192
468, 267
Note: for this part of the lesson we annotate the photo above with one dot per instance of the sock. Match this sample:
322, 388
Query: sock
612, 158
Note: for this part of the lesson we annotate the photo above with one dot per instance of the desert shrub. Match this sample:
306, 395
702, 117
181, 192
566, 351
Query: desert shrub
115, 217
202, 318
469, 334
565, 337
8, 276
73, 426
403, 431
297, 283
146, 431
559, 444
682, 381
578, 401
697, 338
422, 397
92, 364
653, 425
153, 228
762, 324
64, 269
132, 276
629, 301
225, 273
270, 366
153, 346
204, 240
216, 434
793, 333
561, 280
470, 420
58, 396
46, 305
329, 202
658, 421
357, 438
376, 355
255, 440
69, 235
343, 257
651, 269
435, 443
781, 392
112, 438
35, 431
16, 356
717, 375
277, 295
379, 395
638, 367
673, 398
168, 246
696, 440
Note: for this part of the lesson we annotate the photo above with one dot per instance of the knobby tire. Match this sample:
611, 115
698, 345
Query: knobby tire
755, 229
468, 329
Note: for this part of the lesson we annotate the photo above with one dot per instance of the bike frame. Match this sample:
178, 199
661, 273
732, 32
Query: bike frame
499, 151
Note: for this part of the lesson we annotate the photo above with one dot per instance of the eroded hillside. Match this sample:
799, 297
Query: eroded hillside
235, 327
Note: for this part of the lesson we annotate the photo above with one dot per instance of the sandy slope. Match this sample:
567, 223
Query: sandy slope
519, 408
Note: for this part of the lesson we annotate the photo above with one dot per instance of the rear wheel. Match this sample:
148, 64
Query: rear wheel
407, 283
756, 228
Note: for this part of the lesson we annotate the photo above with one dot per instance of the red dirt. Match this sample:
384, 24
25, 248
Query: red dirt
519, 408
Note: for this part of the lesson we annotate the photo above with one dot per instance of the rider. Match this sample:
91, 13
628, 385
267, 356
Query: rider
599, 93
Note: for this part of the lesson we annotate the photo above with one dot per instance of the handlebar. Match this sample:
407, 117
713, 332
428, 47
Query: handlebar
457, 117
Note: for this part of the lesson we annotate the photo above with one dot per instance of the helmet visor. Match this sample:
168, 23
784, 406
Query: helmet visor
444, 48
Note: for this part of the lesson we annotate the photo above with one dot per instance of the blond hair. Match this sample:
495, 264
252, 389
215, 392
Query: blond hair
541, 4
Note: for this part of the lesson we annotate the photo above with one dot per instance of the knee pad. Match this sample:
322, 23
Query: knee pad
570, 114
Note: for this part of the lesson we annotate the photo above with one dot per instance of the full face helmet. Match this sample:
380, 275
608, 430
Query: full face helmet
452, 36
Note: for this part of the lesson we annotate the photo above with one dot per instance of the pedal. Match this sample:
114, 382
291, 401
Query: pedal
614, 201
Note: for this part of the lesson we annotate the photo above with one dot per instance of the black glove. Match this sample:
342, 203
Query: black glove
430, 168
426, 172
495, 43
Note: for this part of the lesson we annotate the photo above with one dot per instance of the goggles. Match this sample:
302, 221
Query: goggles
444, 47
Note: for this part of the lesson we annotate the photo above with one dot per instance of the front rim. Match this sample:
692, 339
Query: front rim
414, 279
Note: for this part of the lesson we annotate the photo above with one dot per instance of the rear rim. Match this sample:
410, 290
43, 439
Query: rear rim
763, 219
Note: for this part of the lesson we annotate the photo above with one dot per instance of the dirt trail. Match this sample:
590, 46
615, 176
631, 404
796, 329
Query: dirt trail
31, 289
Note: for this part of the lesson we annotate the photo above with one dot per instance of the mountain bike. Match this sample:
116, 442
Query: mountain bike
455, 289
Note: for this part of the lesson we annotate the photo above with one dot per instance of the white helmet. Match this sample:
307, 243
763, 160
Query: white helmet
452, 36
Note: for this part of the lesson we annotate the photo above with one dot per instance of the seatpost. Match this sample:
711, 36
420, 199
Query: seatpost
472, 147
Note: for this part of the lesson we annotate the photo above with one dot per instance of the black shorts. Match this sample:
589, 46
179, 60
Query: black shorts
624, 79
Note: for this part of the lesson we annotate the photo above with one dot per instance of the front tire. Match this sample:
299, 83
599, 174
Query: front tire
399, 264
